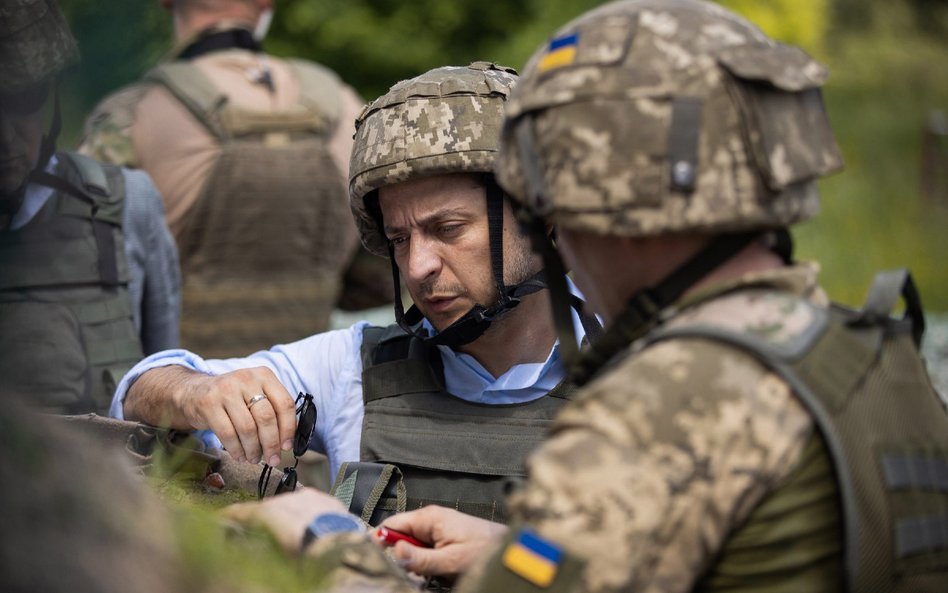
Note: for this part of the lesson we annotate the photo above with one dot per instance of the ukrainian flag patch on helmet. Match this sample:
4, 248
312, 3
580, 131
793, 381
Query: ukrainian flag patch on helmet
533, 558
562, 52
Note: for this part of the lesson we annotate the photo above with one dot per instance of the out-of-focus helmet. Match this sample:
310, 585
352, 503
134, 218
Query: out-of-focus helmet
35, 44
646, 117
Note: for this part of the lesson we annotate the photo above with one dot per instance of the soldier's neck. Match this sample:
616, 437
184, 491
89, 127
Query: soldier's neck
524, 335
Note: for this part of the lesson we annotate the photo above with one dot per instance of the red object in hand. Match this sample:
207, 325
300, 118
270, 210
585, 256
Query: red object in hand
390, 536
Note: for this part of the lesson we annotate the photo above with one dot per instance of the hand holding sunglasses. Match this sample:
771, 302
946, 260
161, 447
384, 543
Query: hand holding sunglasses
306, 424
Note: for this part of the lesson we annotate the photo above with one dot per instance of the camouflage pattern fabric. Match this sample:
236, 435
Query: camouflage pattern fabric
108, 130
654, 465
444, 121
35, 43
621, 96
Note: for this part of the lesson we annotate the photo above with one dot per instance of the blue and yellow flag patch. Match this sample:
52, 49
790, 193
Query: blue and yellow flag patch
562, 52
533, 558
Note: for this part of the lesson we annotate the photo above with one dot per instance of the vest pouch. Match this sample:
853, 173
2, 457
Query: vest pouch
43, 359
374, 491
777, 90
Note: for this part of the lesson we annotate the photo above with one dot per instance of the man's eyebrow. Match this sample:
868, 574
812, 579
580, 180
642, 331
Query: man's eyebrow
432, 218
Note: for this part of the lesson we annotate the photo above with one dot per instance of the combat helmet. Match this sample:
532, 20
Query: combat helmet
652, 117
444, 121
647, 117
35, 44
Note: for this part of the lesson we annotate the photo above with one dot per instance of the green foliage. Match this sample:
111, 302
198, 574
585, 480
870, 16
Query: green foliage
375, 43
800, 22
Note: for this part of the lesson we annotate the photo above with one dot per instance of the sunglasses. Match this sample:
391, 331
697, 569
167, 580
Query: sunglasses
306, 412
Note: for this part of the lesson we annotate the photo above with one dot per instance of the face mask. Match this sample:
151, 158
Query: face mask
263, 25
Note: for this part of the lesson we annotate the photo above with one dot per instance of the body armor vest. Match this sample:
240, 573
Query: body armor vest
421, 445
872, 484
263, 249
66, 327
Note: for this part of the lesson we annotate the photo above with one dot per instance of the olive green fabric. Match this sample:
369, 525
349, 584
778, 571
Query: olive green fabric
66, 330
792, 541
243, 288
451, 452
860, 375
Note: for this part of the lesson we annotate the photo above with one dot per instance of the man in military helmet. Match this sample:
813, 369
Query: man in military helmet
250, 153
90, 271
442, 407
734, 431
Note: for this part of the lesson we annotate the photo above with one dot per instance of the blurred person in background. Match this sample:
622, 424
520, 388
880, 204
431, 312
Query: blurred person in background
250, 154
90, 275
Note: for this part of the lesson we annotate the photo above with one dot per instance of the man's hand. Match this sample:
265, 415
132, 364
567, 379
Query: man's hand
458, 540
189, 400
285, 516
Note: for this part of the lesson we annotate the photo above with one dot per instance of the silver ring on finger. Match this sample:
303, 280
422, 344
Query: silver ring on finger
257, 398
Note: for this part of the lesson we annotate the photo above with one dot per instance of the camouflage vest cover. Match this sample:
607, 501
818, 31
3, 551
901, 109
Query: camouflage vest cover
263, 248
421, 445
66, 328
880, 455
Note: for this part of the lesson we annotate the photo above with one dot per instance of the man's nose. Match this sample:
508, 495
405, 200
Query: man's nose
424, 259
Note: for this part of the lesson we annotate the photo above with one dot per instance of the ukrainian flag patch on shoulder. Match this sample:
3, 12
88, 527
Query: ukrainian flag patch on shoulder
562, 52
533, 558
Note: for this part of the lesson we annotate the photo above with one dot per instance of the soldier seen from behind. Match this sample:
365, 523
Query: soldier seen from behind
250, 153
89, 269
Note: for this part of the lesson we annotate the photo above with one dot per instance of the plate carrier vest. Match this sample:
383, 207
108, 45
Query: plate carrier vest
67, 333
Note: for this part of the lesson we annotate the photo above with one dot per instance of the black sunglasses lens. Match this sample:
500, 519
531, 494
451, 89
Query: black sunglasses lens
288, 482
305, 427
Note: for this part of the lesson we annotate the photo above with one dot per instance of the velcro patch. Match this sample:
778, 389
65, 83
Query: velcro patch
562, 52
532, 558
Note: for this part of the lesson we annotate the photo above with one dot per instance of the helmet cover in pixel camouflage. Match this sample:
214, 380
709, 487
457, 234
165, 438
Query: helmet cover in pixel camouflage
645, 117
446, 120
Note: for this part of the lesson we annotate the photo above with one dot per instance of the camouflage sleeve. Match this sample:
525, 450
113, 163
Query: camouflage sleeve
107, 135
649, 468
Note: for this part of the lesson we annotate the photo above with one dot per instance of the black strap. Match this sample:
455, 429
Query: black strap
220, 40
642, 313
495, 233
887, 288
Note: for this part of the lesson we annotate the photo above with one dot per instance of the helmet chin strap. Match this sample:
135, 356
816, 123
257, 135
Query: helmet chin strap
475, 322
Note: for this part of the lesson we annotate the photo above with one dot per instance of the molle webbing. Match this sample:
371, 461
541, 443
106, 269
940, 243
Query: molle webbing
449, 451
860, 376
66, 332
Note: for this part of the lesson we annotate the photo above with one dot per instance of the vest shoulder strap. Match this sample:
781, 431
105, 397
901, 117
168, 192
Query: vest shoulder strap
195, 91
101, 182
841, 367
395, 363
320, 89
